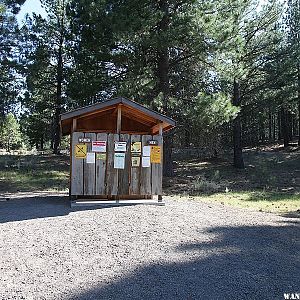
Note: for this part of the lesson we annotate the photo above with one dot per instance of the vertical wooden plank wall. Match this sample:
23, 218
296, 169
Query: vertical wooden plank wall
112, 173
102, 178
89, 169
124, 174
145, 180
135, 171
100, 188
157, 170
77, 168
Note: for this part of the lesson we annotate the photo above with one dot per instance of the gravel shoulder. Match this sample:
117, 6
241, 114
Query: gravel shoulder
184, 250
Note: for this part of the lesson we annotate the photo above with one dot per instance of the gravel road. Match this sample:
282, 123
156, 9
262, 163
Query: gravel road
185, 250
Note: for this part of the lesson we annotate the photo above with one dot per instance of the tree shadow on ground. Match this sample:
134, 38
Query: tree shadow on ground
274, 171
247, 262
28, 208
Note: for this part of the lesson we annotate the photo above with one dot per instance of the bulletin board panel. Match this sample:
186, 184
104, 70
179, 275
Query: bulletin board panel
120, 171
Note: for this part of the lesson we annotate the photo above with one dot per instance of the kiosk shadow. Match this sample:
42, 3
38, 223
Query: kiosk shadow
20, 209
248, 262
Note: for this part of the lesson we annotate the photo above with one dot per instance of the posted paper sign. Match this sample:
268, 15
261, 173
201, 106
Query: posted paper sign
120, 146
119, 161
155, 154
80, 151
99, 146
101, 156
90, 158
146, 161
135, 161
146, 150
136, 147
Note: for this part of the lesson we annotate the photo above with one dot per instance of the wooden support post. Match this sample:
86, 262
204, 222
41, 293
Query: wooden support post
74, 125
160, 132
73, 129
119, 119
119, 126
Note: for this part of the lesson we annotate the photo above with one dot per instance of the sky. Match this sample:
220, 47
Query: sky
35, 6
30, 6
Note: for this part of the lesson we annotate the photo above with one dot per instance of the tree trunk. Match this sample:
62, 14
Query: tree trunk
238, 160
298, 71
279, 129
58, 102
284, 127
299, 124
290, 125
42, 142
262, 135
274, 128
187, 138
270, 125
164, 83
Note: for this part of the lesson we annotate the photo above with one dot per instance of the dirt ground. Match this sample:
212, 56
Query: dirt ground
270, 168
184, 250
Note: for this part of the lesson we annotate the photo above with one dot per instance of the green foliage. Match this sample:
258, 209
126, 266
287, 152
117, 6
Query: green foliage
178, 57
2, 8
10, 133
10, 81
213, 110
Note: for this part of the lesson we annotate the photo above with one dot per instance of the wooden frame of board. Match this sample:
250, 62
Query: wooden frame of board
111, 122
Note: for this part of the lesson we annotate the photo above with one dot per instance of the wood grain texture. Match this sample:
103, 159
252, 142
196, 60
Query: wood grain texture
157, 170
135, 172
145, 179
124, 174
111, 172
89, 170
100, 188
77, 168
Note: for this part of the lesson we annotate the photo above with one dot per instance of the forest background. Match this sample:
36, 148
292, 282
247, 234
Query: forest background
227, 71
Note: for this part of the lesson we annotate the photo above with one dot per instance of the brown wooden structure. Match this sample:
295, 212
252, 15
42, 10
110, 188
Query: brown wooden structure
102, 175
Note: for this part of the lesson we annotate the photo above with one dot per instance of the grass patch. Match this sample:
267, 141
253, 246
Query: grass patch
270, 181
26, 173
261, 201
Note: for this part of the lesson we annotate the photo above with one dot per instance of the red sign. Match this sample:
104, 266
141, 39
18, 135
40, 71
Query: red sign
99, 146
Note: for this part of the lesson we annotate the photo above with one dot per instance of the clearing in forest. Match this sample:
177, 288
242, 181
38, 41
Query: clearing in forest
270, 182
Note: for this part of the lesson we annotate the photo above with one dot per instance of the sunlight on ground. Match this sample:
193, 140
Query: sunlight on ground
262, 201
32, 172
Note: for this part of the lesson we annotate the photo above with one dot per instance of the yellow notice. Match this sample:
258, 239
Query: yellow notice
136, 147
80, 151
155, 154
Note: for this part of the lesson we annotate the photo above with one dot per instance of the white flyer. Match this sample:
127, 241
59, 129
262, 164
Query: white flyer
99, 146
90, 158
146, 162
146, 150
119, 161
120, 146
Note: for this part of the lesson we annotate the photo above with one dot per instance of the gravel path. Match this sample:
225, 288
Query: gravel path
185, 250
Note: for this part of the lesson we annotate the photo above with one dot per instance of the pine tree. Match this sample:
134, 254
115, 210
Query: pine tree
47, 59
10, 133
293, 29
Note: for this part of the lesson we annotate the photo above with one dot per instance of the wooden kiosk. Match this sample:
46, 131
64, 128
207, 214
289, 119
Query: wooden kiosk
116, 151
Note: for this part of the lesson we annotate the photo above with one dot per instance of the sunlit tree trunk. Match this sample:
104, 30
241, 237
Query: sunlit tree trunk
238, 160
163, 66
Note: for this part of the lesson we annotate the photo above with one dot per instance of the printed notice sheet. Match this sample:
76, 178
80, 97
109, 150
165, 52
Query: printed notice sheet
146, 161
90, 158
119, 161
